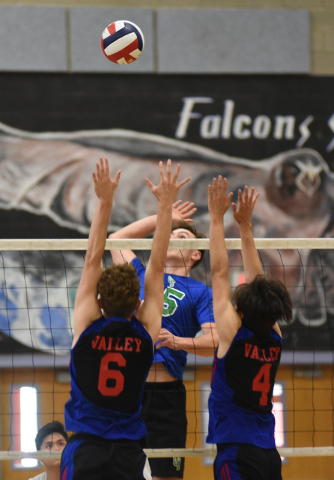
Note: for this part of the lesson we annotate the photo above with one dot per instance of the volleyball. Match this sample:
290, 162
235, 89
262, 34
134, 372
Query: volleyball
122, 42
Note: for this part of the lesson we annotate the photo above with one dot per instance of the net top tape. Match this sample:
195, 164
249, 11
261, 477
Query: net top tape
181, 452
146, 244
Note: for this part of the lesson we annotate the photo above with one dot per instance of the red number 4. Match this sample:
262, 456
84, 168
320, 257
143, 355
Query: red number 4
107, 374
261, 383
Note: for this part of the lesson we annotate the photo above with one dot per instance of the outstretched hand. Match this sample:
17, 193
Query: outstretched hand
246, 202
168, 187
218, 200
104, 186
183, 212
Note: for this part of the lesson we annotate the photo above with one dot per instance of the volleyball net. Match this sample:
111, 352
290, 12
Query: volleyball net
39, 279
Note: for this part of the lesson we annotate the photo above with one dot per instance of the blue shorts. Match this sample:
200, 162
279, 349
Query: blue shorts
247, 462
89, 457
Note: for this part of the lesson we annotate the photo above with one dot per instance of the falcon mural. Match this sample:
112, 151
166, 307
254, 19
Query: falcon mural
48, 175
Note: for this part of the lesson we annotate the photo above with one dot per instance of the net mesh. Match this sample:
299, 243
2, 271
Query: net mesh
39, 279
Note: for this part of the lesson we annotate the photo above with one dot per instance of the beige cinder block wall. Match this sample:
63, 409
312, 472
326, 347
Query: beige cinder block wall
321, 13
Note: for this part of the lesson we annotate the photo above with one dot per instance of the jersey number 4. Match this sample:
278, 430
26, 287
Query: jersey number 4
107, 373
261, 383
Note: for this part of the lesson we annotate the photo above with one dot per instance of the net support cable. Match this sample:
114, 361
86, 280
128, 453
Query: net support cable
178, 452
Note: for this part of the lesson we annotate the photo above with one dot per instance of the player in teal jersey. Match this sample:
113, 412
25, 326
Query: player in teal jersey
187, 311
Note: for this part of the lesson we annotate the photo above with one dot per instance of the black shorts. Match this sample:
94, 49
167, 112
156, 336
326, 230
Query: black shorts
89, 457
164, 412
247, 462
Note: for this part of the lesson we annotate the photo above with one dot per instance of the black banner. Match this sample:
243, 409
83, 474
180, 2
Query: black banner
275, 133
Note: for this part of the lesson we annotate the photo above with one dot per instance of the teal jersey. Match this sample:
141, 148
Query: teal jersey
187, 305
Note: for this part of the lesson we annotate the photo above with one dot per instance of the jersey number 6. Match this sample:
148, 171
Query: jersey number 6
109, 374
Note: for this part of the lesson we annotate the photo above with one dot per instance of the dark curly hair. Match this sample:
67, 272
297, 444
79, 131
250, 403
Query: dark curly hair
191, 228
262, 303
119, 289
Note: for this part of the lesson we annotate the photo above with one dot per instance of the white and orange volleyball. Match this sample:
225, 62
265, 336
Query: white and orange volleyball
122, 42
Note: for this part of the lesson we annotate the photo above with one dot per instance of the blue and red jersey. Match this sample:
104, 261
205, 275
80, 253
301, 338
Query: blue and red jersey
109, 366
242, 383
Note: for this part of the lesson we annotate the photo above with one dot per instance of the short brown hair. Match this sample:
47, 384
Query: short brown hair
119, 289
192, 229
263, 302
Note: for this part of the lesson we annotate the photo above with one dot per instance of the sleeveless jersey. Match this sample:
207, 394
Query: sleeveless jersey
187, 305
241, 391
108, 368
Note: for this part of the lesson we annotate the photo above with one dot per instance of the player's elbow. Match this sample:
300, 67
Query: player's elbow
219, 273
92, 259
157, 266
154, 290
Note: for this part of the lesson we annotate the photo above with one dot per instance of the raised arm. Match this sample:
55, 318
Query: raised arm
242, 215
86, 307
227, 319
145, 226
250, 258
150, 312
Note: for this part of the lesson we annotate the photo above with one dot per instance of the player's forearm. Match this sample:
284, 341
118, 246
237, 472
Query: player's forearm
218, 252
250, 257
139, 229
98, 231
161, 235
204, 346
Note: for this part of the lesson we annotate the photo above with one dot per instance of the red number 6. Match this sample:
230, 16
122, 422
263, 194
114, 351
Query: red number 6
106, 374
